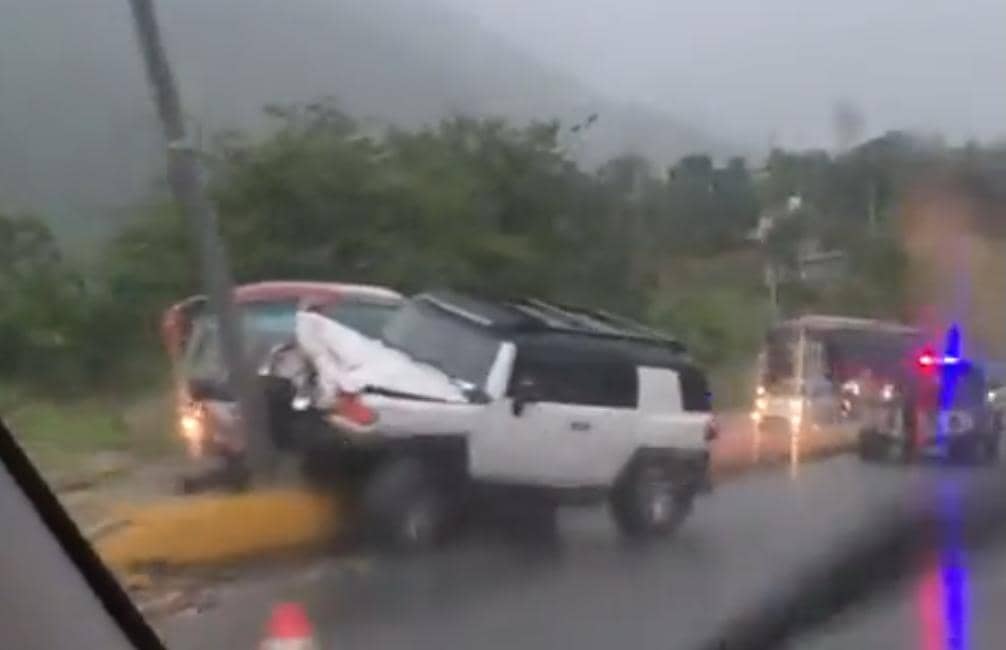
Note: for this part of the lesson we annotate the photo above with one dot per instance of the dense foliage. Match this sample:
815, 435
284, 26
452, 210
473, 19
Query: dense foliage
487, 206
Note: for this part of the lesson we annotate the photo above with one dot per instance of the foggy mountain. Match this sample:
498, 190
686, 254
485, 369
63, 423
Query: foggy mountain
771, 72
79, 137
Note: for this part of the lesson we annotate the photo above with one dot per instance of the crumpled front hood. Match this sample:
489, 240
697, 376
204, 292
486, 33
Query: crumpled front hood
347, 361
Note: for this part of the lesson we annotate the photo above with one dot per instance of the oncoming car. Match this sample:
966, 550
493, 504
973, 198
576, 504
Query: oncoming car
207, 415
464, 398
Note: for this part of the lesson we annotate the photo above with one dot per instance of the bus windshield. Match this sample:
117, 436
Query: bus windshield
836, 355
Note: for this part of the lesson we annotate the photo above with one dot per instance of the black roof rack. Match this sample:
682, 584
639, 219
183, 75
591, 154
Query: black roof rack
621, 323
530, 315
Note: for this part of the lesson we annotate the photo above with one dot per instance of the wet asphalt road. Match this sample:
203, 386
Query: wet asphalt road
592, 590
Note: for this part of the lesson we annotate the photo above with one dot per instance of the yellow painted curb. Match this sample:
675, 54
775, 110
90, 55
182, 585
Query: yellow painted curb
217, 529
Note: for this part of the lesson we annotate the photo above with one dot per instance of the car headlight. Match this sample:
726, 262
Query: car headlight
192, 426
851, 387
761, 404
990, 396
887, 392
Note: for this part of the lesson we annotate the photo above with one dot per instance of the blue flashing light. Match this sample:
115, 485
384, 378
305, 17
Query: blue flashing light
949, 373
929, 360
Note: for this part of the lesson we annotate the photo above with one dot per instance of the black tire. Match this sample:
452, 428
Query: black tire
405, 507
318, 469
647, 502
964, 451
992, 449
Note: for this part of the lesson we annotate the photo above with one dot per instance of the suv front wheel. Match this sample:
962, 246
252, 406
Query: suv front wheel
405, 507
646, 501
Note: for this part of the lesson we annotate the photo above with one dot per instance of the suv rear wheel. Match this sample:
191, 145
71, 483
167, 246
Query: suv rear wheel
647, 501
405, 507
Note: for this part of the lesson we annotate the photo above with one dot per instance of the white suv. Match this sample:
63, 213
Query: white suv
465, 397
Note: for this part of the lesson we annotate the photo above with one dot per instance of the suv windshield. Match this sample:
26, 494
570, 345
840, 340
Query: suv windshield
428, 334
365, 316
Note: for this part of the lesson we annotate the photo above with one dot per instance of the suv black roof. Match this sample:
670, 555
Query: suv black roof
546, 330
530, 318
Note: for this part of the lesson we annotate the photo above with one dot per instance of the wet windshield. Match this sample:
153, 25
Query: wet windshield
721, 172
428, 334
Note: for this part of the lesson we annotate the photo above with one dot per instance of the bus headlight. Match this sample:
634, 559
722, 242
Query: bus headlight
795, 413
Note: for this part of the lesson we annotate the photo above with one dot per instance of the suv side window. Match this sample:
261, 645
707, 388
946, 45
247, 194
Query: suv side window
695, 395
588, 382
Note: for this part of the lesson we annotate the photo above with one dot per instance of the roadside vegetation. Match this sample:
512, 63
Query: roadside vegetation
483, 205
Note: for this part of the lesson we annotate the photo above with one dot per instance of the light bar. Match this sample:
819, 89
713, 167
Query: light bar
928, 360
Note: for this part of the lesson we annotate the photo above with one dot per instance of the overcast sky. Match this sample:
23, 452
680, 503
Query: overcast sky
763, 69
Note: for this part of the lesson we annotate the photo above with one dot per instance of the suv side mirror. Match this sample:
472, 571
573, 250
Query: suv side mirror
524, 393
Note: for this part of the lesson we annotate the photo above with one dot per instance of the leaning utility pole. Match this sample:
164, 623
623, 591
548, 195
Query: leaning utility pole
187, 186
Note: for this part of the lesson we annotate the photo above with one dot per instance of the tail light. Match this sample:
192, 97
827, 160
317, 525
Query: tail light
712, 430
351, 407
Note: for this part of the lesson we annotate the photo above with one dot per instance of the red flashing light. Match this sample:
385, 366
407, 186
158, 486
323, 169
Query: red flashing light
928, 360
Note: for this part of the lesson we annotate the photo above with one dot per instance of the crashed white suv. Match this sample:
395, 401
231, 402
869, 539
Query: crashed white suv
464, 397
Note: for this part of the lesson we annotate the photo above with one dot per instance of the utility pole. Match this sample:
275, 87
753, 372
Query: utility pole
186, 183
772, 282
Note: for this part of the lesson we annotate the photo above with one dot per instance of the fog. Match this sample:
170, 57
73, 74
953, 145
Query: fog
762, 70
78, 134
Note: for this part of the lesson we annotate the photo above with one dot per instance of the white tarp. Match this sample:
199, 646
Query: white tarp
347, 361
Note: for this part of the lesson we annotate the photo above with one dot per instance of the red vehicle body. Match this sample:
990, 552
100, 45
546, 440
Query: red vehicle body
207, 420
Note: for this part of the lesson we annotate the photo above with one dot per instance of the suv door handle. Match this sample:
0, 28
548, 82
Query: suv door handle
579, 425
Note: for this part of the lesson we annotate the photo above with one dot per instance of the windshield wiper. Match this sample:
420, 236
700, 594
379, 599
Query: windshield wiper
884, 555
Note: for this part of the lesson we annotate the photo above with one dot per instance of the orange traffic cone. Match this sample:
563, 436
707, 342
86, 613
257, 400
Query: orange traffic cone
289, 629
